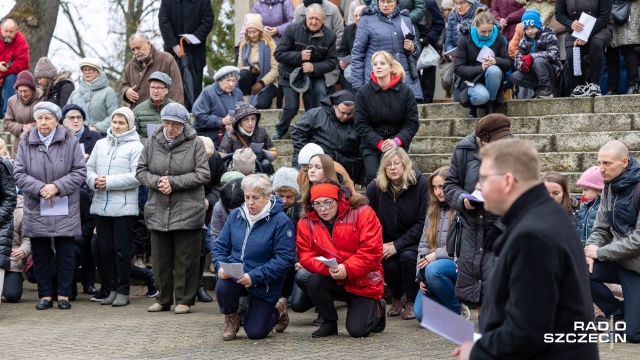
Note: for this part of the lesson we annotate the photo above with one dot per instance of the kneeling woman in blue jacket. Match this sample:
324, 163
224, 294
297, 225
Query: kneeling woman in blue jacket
266, 250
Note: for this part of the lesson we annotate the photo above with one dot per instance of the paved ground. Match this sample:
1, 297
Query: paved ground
90, 330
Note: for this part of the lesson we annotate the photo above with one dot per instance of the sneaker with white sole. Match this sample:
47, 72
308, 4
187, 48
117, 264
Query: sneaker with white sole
580, 91
593, 90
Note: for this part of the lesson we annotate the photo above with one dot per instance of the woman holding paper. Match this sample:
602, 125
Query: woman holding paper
482, 60
347, 231
111, 174
49, 170
259, 238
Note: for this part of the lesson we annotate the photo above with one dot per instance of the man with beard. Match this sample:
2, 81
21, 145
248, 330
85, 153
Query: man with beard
14, 58
146, 60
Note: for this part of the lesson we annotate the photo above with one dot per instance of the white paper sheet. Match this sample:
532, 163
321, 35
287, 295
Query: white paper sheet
150, 128
192, 38
82, 148
405, 29
588, 21
475, 196
59, 208
485, 52
445, 322
235, 270
451, 52
332, 263
346, 59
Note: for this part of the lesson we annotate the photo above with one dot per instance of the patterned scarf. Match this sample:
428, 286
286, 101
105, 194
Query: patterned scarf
46, 140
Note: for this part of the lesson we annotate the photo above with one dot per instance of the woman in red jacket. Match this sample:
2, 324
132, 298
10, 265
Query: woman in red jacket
348, 231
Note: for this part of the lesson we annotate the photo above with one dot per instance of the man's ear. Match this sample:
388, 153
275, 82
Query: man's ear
625, 161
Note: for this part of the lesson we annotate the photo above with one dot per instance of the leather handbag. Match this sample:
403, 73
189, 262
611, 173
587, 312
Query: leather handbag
454, 238
620, 11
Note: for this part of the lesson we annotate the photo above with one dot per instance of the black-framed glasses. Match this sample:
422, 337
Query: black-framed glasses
325, 205
342, 113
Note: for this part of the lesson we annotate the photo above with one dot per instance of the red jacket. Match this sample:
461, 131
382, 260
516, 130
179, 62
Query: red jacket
356, 243
18, 51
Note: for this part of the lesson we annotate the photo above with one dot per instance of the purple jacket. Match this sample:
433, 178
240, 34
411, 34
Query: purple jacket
511, 11
62, 165
274, 15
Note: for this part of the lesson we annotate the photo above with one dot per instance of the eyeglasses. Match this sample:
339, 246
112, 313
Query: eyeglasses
461, 3
396, 164
483, 178
325, 205
343, 114
74, 118
88, 70
157, 88
386, 1
250, 119
380, 63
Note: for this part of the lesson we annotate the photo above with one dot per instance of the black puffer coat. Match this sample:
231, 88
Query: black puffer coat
479, 227
7, 205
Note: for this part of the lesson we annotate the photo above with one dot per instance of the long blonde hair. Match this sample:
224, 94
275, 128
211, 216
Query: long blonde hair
268, 40
408, 177
396, 67
433, 209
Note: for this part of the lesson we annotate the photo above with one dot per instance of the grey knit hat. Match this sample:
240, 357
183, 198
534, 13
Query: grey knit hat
175, 112
48, 107
44, 68
225, 72
286, 176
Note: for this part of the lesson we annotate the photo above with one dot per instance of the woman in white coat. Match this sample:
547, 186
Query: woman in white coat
111, 171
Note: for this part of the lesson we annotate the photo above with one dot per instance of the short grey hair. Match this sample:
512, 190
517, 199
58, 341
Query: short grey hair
316, 8
257, 182
138, 35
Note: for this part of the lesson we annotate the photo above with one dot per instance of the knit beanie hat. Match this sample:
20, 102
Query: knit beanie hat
225, 72
309, 2
92, 62
591, 179
324, 189
128, 114
44, 68
307, 152
531, 17
447, 4
254, 21
48, 107
70, 107
493, 127
286, 176
25, 78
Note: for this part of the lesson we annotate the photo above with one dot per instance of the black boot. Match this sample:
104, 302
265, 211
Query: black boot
490, 107
472, 112
328, 328
202, 294
382, 322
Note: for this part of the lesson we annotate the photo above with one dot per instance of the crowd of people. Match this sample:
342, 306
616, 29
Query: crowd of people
93, 185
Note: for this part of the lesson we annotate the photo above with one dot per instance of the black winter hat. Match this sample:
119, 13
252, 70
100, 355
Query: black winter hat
70, 107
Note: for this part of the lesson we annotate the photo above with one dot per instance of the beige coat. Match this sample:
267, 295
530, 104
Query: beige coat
20, 112
3, 149
19, 242
269, 78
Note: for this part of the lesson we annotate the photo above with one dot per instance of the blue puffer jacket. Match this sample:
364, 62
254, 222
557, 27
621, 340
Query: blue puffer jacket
452, 26
266, 249
378, 32
586, 218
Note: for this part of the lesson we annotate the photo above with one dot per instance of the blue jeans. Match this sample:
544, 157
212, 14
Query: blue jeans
7, 91
480, 94
311, 98
441, 278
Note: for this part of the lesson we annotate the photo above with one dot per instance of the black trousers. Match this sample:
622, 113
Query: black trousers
371, 165
542, 74
613, 65
595, 49
400, 274
300, 301
363, 314
265, 97
43, 256
428, 83
114, 240
13, 285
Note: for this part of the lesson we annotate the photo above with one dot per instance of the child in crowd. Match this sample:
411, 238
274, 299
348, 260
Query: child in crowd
591, 184
538, 62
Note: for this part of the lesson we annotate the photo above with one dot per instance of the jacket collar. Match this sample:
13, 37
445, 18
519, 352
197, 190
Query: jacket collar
60, 135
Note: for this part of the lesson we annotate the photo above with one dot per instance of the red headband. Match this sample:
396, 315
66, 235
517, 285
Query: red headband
324, 189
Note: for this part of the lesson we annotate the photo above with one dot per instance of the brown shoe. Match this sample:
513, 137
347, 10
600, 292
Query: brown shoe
282, 324
232, 322
408, 314
396, 307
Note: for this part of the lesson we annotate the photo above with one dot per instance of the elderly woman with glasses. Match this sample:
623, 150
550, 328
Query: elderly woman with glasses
346, 231
399, 195
174, 166
73, 117
386, 112
259, 238
49, 170
246, 133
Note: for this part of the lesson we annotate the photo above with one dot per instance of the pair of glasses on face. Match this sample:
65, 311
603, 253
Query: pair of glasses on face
344, 114
461, 3
396, 165
157, 88
251, 119
325, 205
74, 118
380, 63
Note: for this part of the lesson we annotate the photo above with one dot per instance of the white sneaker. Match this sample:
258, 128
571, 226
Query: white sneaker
593, 90
580, 91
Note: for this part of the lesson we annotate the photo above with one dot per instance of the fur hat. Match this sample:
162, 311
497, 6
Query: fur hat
44, 68
253, 21
49, 107
531, 17
493, 127
25, 78
128, 114
286, 176
70, 107
175, 112
591, 179
162, 77
243, 110
225, 72
92, 62
307, 152
208, 145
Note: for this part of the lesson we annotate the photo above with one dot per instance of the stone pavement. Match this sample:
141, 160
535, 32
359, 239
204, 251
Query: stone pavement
90, 330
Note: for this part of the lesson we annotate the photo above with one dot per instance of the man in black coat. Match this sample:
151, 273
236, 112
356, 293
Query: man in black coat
539, 286
346, 45
331, 126
187, 17
7, 205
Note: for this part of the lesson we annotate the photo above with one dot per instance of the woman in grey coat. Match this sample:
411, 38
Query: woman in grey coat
174, 166
626, 37
49, 170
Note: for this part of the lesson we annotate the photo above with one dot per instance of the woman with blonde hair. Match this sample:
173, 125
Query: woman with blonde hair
257, 64
386, 112
398, 196
436, 270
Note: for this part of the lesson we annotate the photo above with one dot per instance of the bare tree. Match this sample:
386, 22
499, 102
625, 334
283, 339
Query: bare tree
36, 23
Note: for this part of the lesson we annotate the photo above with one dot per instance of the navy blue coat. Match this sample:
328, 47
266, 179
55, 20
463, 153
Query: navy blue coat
586, 218
267, 249
212, 105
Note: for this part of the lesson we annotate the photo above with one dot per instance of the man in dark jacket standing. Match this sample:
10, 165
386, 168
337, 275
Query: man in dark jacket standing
613, 247
538, 265
331, 126
7, 205
309, 47
194, 17
345, 47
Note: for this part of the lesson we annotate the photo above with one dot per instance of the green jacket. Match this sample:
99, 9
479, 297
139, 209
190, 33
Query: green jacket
146, 113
